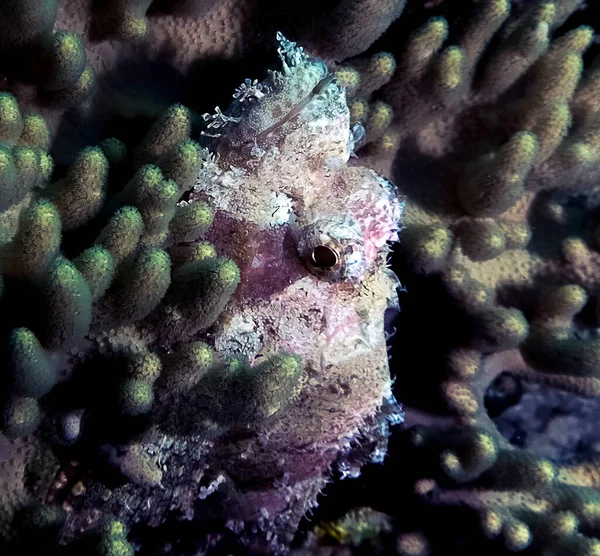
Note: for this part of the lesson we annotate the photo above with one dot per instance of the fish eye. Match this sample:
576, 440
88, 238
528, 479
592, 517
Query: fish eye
324, 257
331, 250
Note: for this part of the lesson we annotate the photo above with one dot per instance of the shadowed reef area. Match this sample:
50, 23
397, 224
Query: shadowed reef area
200, 342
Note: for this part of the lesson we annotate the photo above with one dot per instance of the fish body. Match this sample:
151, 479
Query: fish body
309, 232
311, 235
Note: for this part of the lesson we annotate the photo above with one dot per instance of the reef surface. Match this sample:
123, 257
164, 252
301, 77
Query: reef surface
207, 289
195, 318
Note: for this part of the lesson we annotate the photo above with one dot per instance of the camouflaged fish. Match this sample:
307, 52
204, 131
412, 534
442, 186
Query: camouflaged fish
309, 232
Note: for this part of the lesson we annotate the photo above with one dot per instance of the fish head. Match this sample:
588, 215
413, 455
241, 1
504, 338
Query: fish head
309, 231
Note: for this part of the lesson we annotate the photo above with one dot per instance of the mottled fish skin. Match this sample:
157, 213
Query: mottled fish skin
311, 236
297, 218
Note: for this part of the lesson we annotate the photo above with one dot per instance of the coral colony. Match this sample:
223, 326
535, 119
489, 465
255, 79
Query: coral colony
194, 318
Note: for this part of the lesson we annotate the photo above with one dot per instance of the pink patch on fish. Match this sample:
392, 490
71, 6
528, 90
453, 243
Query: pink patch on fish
378, 214
340, 323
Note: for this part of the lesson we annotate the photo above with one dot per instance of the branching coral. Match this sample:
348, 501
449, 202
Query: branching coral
177, 304
122, 279
33, 51
493, 143
478, 223
119, 280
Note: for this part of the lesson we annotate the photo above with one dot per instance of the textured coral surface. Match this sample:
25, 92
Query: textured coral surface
494, 142
192, 302
197, 295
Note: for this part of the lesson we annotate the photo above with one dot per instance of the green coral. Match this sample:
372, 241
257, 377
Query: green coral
135, 397
113, 316
168, 132
35, 132
196, 251
21, 417
80, 195
155, 198
32, 372
65, 60
52, 60
24, 161
97, 268
11, 122
122, 233
67, 306
182, 163
144, 366
138, 289
113, 541
37, 241
201, 290
124, 276
186, 367
190, 222
201, 394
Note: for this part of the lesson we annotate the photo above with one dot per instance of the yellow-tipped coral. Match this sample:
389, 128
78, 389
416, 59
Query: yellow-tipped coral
497, 180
